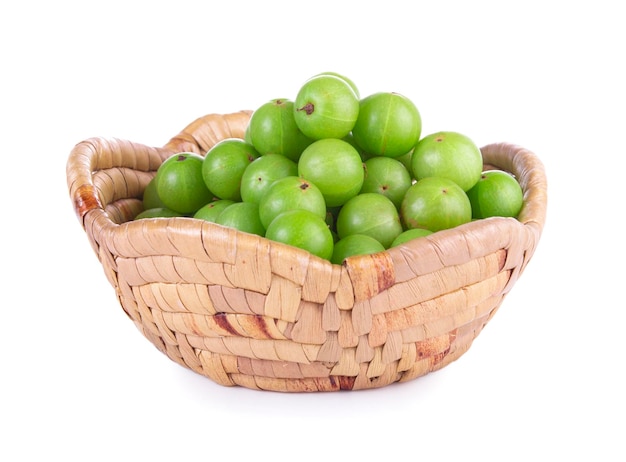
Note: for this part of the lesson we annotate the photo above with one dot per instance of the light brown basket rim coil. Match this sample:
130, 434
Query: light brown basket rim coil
242, 310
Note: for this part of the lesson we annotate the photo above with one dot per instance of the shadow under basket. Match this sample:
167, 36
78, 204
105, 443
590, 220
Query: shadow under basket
245, 311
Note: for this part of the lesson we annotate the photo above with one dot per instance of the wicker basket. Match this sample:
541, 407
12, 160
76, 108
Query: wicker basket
242, 310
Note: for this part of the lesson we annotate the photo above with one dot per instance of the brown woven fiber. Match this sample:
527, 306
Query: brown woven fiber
245, 311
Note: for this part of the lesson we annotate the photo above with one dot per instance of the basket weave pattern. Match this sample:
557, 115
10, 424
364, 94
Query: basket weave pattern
243, 310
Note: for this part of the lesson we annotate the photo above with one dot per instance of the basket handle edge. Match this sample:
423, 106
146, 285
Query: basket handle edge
97, 153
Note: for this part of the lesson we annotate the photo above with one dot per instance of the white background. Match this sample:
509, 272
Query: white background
543, 381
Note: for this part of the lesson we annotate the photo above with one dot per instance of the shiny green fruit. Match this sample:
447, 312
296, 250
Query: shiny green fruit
435, 203
389, 124
224, 165
349, 81
243, 216
450, 155
496, 194
409, 235
386, 176
211, 211
291, 193
355, 244
303, 229
180, 185
150, 198
326, 107
371, 214
262, 172
335, 167
273, 130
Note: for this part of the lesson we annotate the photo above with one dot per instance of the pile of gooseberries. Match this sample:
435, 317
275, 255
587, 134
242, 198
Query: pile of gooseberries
335, 174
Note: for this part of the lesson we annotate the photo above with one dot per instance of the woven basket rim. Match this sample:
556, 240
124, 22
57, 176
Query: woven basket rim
520, 162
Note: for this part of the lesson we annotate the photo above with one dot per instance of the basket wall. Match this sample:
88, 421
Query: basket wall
242, 310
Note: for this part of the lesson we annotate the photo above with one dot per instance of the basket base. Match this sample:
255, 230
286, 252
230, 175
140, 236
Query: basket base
231, 370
